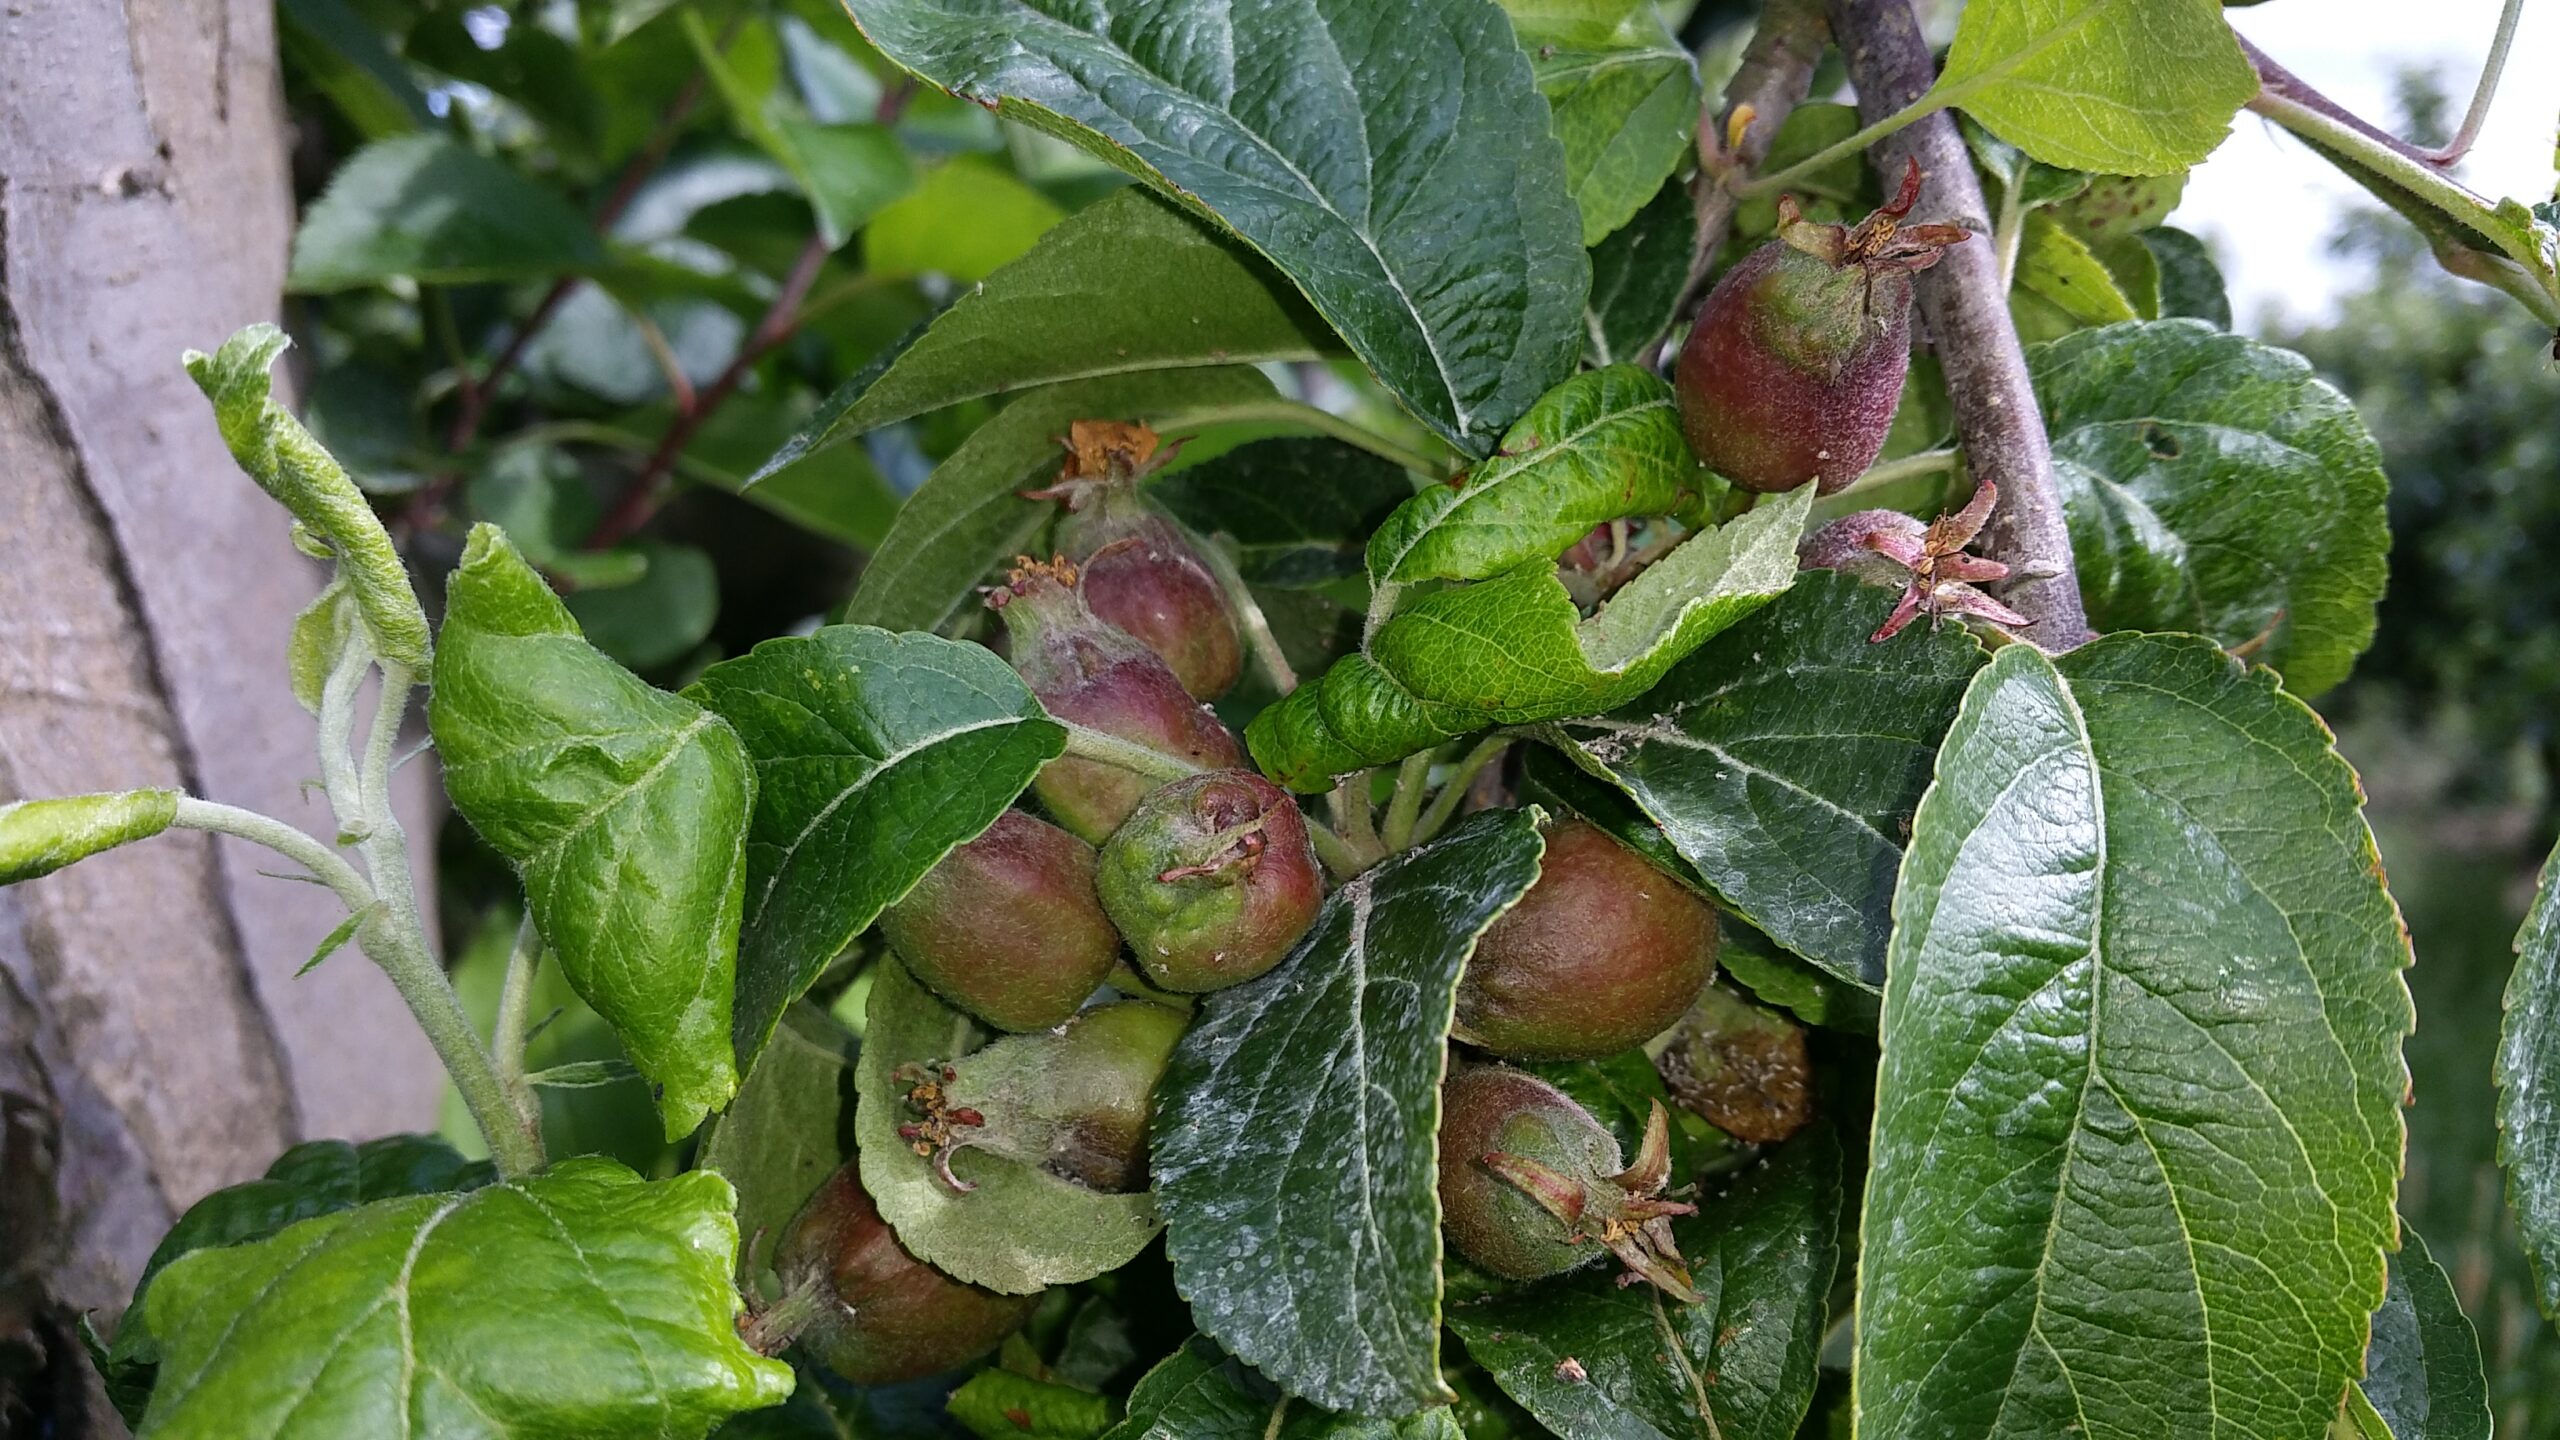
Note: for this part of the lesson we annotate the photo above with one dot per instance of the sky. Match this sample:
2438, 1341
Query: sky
2268, 205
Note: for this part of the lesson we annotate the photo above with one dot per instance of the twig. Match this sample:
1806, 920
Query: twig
1776, 74
1967, 314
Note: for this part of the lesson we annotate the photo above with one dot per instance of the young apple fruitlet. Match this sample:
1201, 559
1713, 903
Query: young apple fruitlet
1212, 879
1140, 571
1094, 674
1795, 364
1927, 562
1008, 926
1531, 1185
1740, 1065
863, 1306
1074, 1101
1604, 952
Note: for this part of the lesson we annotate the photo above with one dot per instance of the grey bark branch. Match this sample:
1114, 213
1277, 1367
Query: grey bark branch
1776, 74
1966, 311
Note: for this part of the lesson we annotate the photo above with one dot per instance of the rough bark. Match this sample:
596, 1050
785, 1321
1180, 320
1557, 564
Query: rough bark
150, 1021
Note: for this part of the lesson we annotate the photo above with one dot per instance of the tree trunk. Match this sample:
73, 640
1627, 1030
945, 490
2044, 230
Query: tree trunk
154, 1041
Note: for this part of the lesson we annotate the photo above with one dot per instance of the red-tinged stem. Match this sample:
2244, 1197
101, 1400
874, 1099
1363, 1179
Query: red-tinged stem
1966, 311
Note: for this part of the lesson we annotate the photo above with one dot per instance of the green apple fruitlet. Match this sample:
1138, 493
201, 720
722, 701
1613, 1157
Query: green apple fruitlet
1138, 569
1092, 673
1074, 1101
1008, 926
1212, 879
1795, 365
1531, 1185
1604, 952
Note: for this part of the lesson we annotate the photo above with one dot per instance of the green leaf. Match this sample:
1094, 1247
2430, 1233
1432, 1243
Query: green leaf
2115, 207
2422, 1371
1636, 278
875, 754
658, 618
1000, 1405
1450, 258
2214, 484
969, 518
1198, 1393
2034, 183
1513, 650
847, 172
1602, 446
2142, 1073
2058, 269
2190, 283
1022, 1228
291, 467
966, 219
347, 58
1293, 1142
1625, 97
319, 641
1299, 511
438, 212
1783, 978
2528, 1073
792, 1123
38, 837
1783, 761
2358, 1420
1128, 283
624, 808
584, 1301
2122, 87
582, 1075
1738, 1364
337, 938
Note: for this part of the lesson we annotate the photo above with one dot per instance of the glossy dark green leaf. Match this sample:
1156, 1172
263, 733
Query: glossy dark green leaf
2529, 1088
1514, 650
38, 837
2422, 1371
437, 211
2138, 1122
1000, 1405
1636, 278
792, 1123
969, 518
1604, 445
1780, 977
624, 808
1299, 511
1450, 259
2121, 87
348, 58
1738, 1364
875, 755
1625, 96
1021, 1228
2215, 484
2190, 282
1294, 1134
1783, 761
1128, 283
583, 1301
1200, 1393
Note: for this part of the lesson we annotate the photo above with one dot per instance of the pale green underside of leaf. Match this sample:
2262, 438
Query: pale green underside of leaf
581, 1302
624, 809
2422, 1371
1738, 1365
1783, 761
1513, 650
1022, 1228
2529, 1088
1625, 96
431, 208
788, 1128
1393, 159
2122, 87
969, 518
2138, 1121
875, 755
1602, 446
2215, 484
1294, 1139
1129, 283
1199, 1393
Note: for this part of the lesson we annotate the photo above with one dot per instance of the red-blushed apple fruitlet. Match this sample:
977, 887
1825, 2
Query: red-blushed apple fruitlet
864, 1307
1008, 926
1604, 952
1796, 362
1212, 880
1740, 1065
1531, 1185
1074, 1101
1140, 570
1927, 562
1094, 674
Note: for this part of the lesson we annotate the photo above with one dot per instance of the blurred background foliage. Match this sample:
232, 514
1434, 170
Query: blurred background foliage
580, 266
